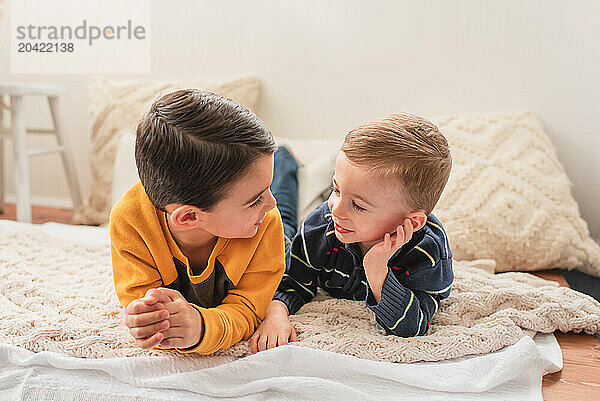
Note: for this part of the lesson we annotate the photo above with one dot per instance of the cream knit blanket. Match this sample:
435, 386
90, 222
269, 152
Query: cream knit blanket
58, 295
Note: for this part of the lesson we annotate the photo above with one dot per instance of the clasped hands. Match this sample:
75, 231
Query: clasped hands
163, 317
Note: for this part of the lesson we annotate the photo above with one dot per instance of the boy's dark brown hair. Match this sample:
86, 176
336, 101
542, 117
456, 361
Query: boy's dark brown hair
408, 148
192, 145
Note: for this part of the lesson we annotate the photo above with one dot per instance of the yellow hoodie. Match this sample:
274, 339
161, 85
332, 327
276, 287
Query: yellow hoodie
231, 294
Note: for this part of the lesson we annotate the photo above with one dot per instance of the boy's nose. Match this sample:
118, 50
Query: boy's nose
336, 208
271, 202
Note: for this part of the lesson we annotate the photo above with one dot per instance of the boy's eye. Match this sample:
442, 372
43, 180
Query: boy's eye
358, 208
257, 202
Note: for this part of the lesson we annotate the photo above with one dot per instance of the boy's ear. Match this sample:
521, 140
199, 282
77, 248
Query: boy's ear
186, 216
418, 220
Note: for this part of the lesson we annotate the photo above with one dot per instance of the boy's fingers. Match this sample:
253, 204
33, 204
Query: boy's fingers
252, 343
398, 237
408, 230
272, 341
401, 236
282, 340
174, 309
262, 342
176, 317
171, 294
151, 341
155, 295
145, 319
139, 306
174, 332
147, 331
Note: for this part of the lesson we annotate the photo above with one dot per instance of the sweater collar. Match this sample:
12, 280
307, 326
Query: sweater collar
178, 254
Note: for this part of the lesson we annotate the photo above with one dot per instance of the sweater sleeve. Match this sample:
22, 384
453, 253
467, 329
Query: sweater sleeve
134, 268
304, 261
237, 317
411, 293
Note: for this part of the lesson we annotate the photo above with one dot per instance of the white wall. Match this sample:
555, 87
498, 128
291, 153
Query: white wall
328, 65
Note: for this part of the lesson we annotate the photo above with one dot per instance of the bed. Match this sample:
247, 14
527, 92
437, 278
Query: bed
287, 372
511, 370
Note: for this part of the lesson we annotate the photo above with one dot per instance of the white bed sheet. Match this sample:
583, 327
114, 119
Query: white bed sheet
288, 372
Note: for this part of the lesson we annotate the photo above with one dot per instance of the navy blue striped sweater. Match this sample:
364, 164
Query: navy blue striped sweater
419, 274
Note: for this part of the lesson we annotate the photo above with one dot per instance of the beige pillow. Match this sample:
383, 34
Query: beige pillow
508, 197
118, 105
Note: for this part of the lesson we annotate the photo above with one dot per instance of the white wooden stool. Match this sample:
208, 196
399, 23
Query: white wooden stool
18, 133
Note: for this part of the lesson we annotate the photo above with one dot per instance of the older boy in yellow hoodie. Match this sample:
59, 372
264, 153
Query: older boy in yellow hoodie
197, 245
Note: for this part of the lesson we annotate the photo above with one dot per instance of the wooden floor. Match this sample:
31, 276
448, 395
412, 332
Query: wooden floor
579, 380
40, 215
580, 377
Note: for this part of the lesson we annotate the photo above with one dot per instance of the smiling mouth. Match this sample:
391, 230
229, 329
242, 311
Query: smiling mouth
341, 229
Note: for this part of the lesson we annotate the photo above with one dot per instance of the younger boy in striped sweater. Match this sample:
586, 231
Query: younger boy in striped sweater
375, 239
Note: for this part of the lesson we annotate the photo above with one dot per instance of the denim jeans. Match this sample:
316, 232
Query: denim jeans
285, 190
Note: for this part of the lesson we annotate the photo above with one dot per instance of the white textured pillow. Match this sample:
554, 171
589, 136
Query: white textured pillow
118, 105
508, 197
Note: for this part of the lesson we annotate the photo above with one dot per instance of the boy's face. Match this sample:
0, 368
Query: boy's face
364, 207
241, 212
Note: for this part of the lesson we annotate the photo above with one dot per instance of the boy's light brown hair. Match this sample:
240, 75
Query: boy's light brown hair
405, 147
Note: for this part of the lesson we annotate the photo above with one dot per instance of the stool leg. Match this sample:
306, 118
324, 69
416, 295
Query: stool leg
66, 153
1, 155
21, 159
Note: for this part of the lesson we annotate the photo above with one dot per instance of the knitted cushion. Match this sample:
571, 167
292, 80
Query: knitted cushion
118, 105
508, 197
